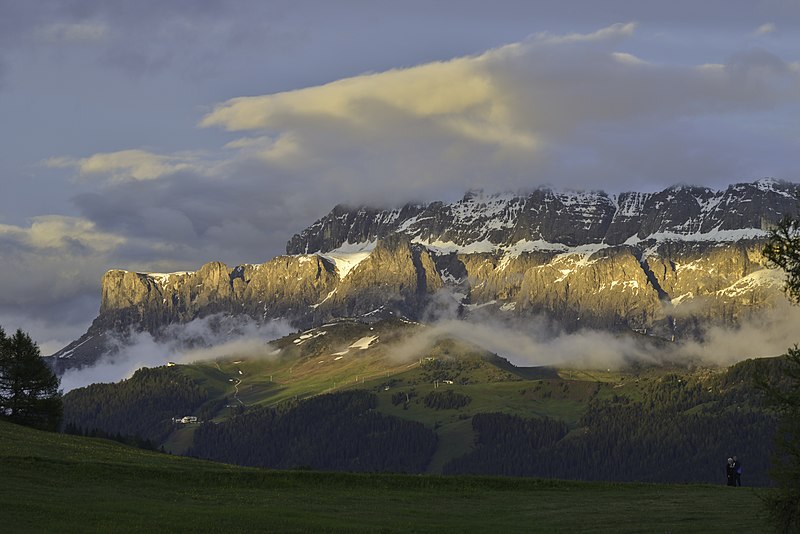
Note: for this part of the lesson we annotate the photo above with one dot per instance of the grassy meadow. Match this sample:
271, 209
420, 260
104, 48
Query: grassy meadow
58, 483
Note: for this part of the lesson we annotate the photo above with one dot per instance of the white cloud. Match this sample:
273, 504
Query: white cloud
613, 32
433, 90
765, 29
630, 59
59, 232
519, 115
532, 343
126, 165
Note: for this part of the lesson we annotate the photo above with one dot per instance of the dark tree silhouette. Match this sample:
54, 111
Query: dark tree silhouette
783, 250
29, 392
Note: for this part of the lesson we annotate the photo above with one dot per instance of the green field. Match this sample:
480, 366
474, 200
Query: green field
58, 483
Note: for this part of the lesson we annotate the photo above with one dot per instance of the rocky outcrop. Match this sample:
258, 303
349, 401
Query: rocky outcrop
273, 289
669, 289
398, 276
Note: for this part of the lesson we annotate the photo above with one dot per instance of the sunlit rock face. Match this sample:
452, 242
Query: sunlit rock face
665, 264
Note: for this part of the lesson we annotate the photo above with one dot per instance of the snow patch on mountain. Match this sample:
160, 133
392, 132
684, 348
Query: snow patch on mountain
758, 279
163, 278
772, 185
713, 235
307, 336
348, 256
364, 342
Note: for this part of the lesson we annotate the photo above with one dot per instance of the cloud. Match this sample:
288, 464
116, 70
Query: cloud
570, 108
535, 343
51, 276
78, 32
460, 96
62, 233
545, 86
54, 258
767, 334
203, 339
127, 165
614, 32
765, 29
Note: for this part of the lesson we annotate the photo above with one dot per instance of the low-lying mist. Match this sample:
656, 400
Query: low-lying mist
524, 342
535, 341
768, 334
199, 340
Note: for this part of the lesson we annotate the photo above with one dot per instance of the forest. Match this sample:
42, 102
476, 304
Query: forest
679, 431
340, 432
141, 407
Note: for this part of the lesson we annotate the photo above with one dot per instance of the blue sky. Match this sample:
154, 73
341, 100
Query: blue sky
158, 135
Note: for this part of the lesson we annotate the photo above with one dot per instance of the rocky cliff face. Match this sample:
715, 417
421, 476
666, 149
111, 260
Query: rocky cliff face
273, 289
664, 263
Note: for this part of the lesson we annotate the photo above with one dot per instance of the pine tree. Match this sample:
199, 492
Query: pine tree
29, 392
783, 250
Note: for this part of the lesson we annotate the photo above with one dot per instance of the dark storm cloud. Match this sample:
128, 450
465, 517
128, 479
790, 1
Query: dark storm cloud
190, 219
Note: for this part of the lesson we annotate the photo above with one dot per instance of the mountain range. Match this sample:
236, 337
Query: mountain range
664, 264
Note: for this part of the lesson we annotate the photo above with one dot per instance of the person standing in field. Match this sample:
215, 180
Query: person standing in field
737, 472
730, 473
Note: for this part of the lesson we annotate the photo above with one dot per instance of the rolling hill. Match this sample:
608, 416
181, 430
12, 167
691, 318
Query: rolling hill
484, 414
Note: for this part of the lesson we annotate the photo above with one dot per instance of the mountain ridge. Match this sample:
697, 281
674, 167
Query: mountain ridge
664, 264
552, 216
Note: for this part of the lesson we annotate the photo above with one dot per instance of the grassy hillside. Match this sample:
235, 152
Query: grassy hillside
645, 409
377, 357
57, 483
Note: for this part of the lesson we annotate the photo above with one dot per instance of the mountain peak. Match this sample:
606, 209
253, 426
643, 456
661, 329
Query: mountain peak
559, 217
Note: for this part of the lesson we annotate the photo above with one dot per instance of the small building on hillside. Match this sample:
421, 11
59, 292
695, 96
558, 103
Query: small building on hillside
185, 419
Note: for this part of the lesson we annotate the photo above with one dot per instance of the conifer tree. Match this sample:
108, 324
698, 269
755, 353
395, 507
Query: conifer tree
783, 250
29, 392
